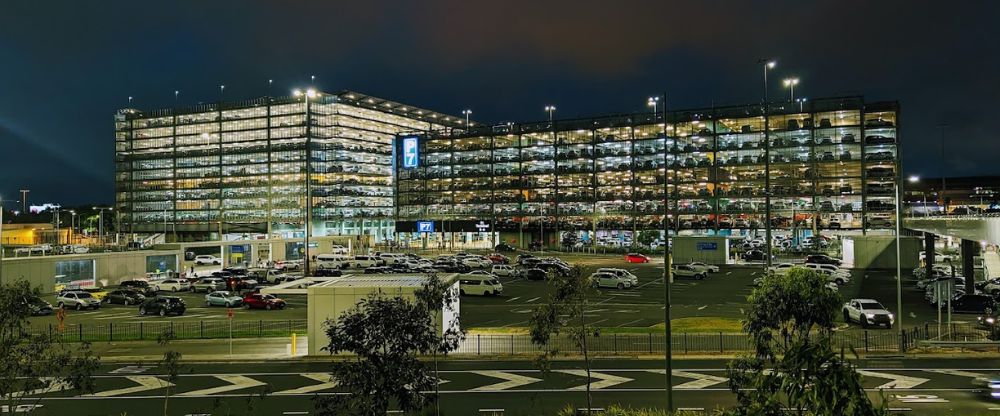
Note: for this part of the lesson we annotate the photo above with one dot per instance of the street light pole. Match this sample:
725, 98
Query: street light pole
667, 332
24, 199
791, 83
767, 64
541, 229
651, 102
466, 113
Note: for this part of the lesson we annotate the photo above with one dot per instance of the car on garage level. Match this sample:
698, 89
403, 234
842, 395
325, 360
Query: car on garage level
207, 259
163, 306
684, 270
78, 300
261, 301
124, 297
477, 284
223, 298
636, 258
867, 312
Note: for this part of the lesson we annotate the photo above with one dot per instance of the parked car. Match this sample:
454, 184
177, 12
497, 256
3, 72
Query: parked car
223, 298
172, 285
365, 261
822, 259
707, 267
867, 312
978, 304
208, 285
74, 249
328, 272
140, 286
498, 258
476, 261
636, 258
260, 301
338, 249
476, 284
684, 270
284, 265
78, 300
613, 279
503, 270
97, 292
124, 297
38, 249
36, 306
505, 248
755, 255
535, 274
207, 259
163, 306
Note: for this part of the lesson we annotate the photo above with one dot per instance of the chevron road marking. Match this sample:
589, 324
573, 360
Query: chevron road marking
326, 382
145, 383
513, 380
56, 385
919, 398
604, 380
700, 380
898, 381
236, 383
961, 373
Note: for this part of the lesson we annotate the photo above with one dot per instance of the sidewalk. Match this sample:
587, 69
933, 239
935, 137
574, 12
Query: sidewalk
213, 350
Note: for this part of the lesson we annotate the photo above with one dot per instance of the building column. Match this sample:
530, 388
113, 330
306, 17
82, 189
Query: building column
928, 253
969, 250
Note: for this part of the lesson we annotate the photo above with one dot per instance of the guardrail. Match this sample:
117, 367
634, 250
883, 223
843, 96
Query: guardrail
150, 330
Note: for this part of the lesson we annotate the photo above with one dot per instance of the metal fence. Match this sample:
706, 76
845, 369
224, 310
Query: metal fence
151, 330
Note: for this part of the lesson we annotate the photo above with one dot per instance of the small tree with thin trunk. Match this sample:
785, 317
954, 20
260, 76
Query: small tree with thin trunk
34, 362
790, 322
171, 363
564, 314
386, 336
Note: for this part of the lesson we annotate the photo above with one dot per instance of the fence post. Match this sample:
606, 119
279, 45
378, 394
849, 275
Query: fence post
721, 349
140, 331
650, 342
685, 343
201, 331
866, 341
927, 334
512, 344
111, 331
479, 343
616, 344
172, 333
79, 328
260, 328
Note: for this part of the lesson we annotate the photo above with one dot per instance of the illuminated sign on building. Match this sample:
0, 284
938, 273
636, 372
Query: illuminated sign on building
411, 155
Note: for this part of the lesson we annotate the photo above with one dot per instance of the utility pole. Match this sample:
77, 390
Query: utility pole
667, 350
24, 200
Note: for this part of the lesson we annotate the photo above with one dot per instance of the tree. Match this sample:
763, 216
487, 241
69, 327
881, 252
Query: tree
647, 237
790, 322
565, 313
35, 363
171, 363
386, 335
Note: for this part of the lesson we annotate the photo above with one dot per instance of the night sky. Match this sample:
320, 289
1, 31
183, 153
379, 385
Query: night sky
68, 66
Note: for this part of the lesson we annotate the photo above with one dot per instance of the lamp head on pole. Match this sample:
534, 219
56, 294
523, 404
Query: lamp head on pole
791, 82
914, 179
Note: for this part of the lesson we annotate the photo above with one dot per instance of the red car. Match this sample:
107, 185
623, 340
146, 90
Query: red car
636, 258
259, 301
498, 258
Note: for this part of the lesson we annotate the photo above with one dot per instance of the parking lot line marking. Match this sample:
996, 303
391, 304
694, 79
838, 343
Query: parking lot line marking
597, 322
295, 413
629, 322
702, 307
531, 300
728, 273
513, 299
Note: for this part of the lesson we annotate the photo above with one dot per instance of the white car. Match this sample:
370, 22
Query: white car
707, 267
476, 284
172, 285
206, 259
992, 287
338, 249
625, 274
833, 286
938, 257
832, 269
837, 278
34, 250
867, 312
288, 264
75, 249
780, 269
476, 261
392, 258
684, 270
606, 279
503, 270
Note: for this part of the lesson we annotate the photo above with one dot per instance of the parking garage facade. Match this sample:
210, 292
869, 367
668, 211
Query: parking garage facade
826, 166
240, 169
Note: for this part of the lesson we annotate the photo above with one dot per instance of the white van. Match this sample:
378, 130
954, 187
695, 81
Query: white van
365, 261
332, 261
484, 285
392, 258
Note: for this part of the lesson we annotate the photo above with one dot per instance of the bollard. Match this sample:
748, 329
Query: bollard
294, 344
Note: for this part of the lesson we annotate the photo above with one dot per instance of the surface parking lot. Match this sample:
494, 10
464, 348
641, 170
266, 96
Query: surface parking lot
713, 304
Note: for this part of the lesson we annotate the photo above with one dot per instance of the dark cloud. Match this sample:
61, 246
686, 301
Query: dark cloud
69, 65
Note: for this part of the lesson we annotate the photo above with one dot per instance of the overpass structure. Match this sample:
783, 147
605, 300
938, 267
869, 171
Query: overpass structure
974, 232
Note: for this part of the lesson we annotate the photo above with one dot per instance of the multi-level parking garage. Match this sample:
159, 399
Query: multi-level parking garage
238, 168
829, 165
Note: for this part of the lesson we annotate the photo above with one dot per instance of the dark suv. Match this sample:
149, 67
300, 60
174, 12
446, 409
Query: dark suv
140, 286
163, 306
822, 259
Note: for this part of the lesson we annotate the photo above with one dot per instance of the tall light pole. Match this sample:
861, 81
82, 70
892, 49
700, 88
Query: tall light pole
1, 239
24, 197
100, 222
550, 109
466, 113
667, 350
767, 64
790, 83
651, 102
308, 95
801, 101
72, 225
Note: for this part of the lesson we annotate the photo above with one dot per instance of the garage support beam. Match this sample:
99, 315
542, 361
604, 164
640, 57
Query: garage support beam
928, 253
969, 251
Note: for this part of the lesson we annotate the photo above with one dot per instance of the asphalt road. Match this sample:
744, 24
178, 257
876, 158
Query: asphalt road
911, 386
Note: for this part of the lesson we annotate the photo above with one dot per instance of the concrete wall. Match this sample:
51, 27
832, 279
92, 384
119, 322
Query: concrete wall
688, 249
109, 268
879, 251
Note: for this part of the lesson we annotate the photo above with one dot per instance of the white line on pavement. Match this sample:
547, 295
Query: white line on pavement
531, 300
513, 299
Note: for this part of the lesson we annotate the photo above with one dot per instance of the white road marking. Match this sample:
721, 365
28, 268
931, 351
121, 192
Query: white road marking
897, 381
513, 380
56, 385
630, 322
326, 382
728, 273
702, 307
131, 369
603, 380
295, 413
145, 383
513, 299
919, 398
960, 373
531, 300
701, 381
235, 383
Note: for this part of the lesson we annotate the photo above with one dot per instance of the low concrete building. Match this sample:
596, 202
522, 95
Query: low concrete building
879, 252
708, 249
329, 300
52, 272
